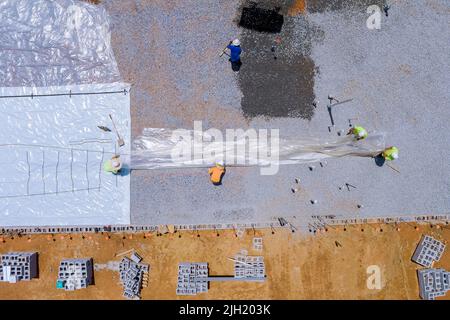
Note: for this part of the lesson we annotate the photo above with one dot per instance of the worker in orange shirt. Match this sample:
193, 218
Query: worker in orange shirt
216, 173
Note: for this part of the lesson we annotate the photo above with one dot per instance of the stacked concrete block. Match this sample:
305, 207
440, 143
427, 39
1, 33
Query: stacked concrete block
428, 251
249, 267
192, 278
131, 276
74, 274
433, 283
136, 258
257, 244
17, 266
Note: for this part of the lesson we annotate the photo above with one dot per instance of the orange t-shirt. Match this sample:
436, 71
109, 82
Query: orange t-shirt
216, 174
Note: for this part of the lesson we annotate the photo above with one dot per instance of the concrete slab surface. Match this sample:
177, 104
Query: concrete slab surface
397, 78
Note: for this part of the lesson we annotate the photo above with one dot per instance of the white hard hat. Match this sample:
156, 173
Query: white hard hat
361, 133
115, 163
220, 163
395, 155
236, 42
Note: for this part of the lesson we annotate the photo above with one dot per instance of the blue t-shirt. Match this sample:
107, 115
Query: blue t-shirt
235, 53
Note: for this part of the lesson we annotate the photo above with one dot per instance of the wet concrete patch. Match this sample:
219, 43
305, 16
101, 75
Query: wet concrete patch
277, 74
262, 20
278, 89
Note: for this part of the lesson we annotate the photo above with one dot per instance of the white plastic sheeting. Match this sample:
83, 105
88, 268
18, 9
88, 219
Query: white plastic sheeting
164, 148
51, 155
50, 43
51, 150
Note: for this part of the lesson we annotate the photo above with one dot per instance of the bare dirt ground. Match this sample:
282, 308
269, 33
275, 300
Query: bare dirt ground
297, 267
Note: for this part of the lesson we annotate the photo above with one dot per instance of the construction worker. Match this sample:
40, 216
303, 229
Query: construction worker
216, 173
358, 132
386, 9
390, 153
235, 54
113, 165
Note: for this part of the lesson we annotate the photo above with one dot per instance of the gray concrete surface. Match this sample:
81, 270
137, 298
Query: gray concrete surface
397, 76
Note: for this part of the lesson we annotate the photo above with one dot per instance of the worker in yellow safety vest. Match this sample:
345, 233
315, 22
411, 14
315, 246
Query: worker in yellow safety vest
358, 132
113, 165
390, 153
216, 173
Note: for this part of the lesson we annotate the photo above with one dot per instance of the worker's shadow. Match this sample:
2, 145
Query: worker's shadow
235, 65
124, 171
379, 160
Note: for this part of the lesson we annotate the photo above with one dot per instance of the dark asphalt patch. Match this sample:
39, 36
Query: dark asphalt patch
277, 75
262, 20
278, 89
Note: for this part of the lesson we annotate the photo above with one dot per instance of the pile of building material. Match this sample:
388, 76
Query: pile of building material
249, 267
17, 266
433, 283
257, 244
163, 229
132, 275
75, 274
428, 251
192, 278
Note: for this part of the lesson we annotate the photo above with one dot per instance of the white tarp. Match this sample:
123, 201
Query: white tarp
51, 150
160, 148
51, 43
51, 154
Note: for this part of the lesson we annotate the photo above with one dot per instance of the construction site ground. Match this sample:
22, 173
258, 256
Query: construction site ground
297, 267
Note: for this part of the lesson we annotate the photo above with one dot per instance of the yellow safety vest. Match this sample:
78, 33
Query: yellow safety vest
108, 167
357, 130
388, 153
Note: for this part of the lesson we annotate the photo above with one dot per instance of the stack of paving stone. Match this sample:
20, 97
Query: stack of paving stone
257, 244
192, 278
249, 266
131, 277
432, 282
428, 251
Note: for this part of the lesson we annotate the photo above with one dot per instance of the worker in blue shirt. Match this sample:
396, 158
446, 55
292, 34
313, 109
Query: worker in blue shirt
235, 54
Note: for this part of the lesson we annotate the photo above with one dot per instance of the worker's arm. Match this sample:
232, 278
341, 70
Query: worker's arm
210, 171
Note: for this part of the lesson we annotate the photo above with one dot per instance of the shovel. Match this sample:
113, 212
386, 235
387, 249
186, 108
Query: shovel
223, 52
120, 141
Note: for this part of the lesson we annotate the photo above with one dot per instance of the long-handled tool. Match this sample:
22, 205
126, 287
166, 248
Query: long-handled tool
124, 253
390, 166
223, 52
120, 141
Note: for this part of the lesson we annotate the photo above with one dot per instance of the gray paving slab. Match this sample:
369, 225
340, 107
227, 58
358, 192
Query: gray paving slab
397, 78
